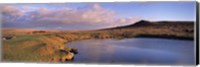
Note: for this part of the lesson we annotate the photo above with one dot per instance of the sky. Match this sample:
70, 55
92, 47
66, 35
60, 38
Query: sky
88, 16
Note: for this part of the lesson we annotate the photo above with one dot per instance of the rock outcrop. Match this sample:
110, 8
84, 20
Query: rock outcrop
74, 50
67, 57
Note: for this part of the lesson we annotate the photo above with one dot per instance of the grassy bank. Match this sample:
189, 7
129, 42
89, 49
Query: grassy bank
32, 48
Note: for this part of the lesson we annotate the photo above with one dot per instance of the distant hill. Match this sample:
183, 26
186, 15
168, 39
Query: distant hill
158, 29
158, 24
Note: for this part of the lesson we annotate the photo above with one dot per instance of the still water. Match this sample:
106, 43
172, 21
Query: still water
135, 51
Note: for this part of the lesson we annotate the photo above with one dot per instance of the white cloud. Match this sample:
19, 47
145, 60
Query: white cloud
11, 11
93, 16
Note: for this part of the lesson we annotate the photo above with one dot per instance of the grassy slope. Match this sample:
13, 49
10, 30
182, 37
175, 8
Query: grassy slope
162, 29
31, 48
45, 47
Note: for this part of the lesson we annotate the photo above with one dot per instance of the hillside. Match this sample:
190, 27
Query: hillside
159, 29
158, 24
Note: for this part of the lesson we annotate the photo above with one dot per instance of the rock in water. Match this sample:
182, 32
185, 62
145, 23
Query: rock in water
74, 50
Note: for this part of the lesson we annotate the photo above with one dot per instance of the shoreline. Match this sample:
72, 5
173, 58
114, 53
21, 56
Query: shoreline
57, 42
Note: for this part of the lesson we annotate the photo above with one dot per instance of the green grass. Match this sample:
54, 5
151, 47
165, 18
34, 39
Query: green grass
31, 48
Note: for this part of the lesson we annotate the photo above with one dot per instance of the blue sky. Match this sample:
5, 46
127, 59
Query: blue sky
103, 14
147, 10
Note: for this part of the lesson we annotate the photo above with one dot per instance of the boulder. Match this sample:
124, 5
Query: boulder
67, 57
7, 37
4, 38
74, 50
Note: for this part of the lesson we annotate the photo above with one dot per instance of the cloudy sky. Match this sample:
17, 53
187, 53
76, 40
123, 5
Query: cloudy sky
87, 16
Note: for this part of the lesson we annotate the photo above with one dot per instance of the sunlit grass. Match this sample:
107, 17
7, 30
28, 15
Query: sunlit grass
31, 48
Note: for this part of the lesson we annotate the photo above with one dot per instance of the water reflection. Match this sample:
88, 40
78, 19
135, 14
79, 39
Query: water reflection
135, 51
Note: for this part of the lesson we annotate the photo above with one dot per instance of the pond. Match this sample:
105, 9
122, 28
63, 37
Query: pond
135, 51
